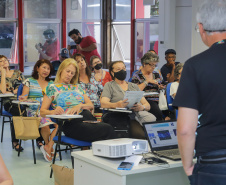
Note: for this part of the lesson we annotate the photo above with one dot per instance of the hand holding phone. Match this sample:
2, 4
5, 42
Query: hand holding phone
125, 166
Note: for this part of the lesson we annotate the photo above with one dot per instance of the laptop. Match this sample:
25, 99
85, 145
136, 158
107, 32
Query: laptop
162, 138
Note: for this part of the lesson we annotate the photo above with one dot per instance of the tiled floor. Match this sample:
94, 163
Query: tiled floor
22, 169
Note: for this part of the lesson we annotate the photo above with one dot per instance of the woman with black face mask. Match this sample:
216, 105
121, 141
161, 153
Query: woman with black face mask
99, 74
113, 95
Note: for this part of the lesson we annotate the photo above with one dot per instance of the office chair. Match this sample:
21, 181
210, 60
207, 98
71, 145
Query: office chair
169, 100
70, 143
120, 121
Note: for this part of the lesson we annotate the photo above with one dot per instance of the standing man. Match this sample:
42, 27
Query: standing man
167, 70
50, 49
202, 91
84, 45
64, 54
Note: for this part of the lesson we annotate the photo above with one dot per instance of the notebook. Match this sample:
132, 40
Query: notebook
162, 138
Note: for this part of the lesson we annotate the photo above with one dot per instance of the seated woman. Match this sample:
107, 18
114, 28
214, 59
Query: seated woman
148, 80
67, 96
10, 81
113, 95
99, 74
175, 84
88, 83
33, 90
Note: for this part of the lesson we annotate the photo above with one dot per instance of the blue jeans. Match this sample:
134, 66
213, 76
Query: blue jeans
209, 174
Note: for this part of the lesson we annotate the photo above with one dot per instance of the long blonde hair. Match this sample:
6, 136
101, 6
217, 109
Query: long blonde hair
65, 64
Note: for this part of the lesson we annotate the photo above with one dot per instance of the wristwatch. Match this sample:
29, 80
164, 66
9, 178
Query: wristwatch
144, 108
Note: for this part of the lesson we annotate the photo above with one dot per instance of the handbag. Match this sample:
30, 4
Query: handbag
162, 101
26, 127
144, 116
63, 175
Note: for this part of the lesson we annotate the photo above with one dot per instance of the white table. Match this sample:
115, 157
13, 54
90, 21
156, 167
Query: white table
117, 110
150, 94
94, 170
25, 102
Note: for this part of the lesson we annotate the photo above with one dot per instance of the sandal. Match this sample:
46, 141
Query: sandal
39, 144
45, 154
17, 149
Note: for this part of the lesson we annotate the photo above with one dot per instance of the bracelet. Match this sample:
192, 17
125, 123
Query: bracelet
146, 83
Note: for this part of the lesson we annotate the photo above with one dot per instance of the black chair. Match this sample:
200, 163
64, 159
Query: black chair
120, 121
70, 143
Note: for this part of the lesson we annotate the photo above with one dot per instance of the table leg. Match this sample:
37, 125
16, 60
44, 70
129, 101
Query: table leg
60, 123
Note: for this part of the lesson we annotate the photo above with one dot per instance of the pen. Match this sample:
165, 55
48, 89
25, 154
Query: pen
24, 95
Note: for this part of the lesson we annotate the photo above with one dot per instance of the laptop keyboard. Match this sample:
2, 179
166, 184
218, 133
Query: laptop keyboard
169, 152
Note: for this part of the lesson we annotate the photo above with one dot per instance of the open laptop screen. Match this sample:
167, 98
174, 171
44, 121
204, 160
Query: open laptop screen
161, 135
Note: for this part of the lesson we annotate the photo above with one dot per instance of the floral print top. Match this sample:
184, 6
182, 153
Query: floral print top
139, 78
93, 90
35, 93
64, 95
13, 83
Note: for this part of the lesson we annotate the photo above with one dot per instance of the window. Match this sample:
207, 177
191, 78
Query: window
42, 25
85, 16
9, 31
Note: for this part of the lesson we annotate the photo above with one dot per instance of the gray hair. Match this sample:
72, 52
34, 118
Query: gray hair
212, 15
149, 57
177, 69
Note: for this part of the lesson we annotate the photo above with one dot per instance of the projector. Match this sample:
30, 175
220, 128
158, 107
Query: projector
122, 147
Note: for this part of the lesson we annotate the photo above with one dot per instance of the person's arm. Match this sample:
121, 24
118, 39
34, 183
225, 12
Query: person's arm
186, 127
105, 103
142, 106
3, 81
170, 77
87, 105
5, 177
43, 55
25, 93
91, 47
45, 108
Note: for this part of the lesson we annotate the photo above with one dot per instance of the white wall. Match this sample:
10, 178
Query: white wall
177, 20
166, 28
197, 45
183, 30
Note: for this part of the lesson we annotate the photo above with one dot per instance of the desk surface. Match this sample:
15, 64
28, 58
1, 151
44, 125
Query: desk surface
117, 110
7, 95
25, 102
112, 164
64, 116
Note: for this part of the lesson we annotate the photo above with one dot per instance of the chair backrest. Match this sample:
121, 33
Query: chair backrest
130, 80
20, 90
169, 98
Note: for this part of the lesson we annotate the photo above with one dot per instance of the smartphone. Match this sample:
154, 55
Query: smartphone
141, 76
125, 166
73, 46
152, 160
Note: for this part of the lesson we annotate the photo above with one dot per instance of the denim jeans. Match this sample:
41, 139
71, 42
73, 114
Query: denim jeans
209, 174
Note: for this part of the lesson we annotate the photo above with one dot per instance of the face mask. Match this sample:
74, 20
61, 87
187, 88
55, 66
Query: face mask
121, 75
98, 66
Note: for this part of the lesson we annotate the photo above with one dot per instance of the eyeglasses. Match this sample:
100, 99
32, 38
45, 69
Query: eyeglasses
197, 29
152, 65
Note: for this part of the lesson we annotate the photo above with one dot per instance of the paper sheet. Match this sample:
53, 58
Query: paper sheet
133, 97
